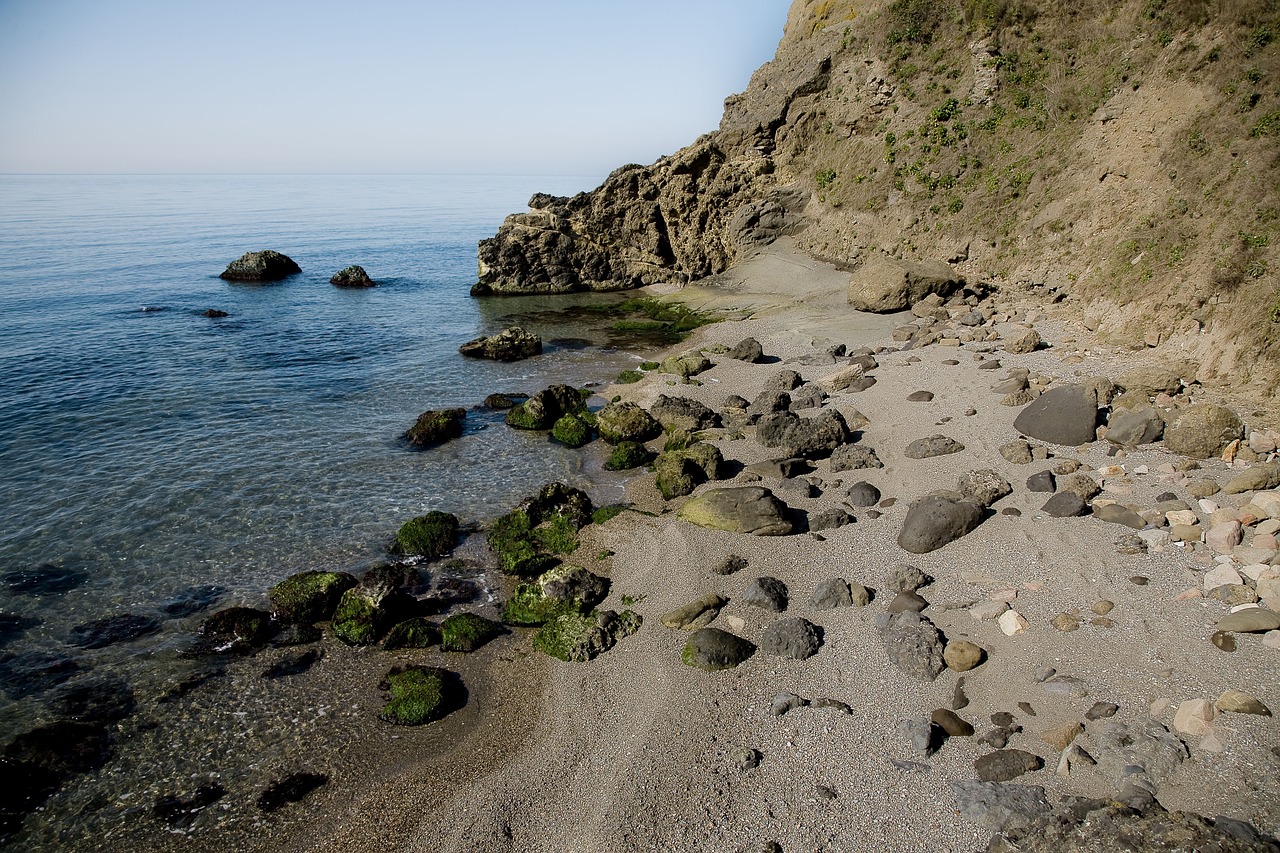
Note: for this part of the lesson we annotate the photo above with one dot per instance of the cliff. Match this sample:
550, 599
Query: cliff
1121, 159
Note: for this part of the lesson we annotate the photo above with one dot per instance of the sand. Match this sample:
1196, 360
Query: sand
635, 750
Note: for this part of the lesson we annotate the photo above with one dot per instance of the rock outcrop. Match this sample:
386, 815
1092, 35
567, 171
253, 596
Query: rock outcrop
266, 265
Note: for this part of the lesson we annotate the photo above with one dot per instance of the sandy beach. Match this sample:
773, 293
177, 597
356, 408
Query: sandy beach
637, 751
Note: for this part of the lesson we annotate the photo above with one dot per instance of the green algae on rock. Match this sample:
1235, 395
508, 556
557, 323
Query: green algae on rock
543, 409
580, 637
571, 431
620, 422
415, 633
627, 455
528, 539
430, 535
562, 590
365, 612
239, 630
421, 694
309, 596
435, 426
466, 632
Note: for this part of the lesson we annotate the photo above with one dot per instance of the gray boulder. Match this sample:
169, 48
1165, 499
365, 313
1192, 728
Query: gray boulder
1065, 505
352, 276
883, 284
933, 521
829, 519
1005, 765
862, 494
791, 638
906, 578
1000, 805
913, 644
266, 265
852, 457
983, 487
748, 350
766, 593
1067, 414
1131, 427
712, 649
807, 437
1202, 431
934, 445
766, 403
831, 594
683, 413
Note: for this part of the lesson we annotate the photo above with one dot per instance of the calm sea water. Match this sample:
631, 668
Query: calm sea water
153, 448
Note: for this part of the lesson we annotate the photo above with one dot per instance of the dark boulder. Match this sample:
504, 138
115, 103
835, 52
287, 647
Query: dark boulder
239, 630
191, 600
807, 437
1067, 414
260, 266
435, 426
309, 596
577, 637
543, 409
933, 521
47, 579
121, 628
352, 276
791, 638
430, 535
712, 649
748, 350
511, 344
421, 694
682, 413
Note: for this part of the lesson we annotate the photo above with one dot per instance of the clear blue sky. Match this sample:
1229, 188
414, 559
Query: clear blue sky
553, 87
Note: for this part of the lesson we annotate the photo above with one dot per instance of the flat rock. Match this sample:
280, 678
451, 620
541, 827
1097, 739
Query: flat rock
740, 509
934, 445
1005, 765
1066, 414
1117, 514
793, 637
907, 601
1000, 805
934, 521
983, 487
1237, 702
1252, 620
712, 649
695, 614
952, 723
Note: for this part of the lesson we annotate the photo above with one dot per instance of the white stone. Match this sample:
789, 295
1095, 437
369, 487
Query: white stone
1142, 469
1012, 623
1268, 502
1271, 639
735, 623
987, 610
1269, 591
1182, 516
1221, 576
1255, 571
1222, 538
1194, 717
1111, 470
1155, 537
1208, 506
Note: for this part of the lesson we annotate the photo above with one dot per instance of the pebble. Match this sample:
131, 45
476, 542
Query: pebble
1065, 622
1194, 717
1139, 580
1223, 641
1236, 702
959, 699
1103, 607
1060, 737
1043, 674
962, 655
1271, 639
1012, 623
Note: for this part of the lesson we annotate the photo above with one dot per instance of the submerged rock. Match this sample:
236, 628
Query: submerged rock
430, 535
309, 596
352, 276
266, 265
364, 613
511, 344
421, 694
239, 630
542, 410
47, 579
436, 426
122, 628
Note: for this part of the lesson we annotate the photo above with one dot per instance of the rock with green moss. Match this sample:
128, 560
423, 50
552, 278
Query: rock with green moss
606, 513
571, 431
543, 409
627, 455
309, 596
685, 365
416, 633
620, 422
581, 637
238, 630
421, 694
528, 538
466, 632
436, 426
365, 612
680, 471
511, 539
627, 377
430, 535
564, 589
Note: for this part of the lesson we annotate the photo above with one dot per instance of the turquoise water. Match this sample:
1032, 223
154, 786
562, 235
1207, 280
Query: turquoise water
151, 448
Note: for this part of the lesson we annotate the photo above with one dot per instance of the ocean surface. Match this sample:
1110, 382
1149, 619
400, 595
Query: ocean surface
146, 449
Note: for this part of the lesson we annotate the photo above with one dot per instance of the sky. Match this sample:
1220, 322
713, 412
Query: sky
556, 87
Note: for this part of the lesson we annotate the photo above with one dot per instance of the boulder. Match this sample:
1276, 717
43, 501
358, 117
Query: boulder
740, 509
364, 613
352, 276
913, 645
685, 365
239, 630
682, 413
831, 594
416, 633
807, 437
933, 521
852, 457
543, 409
679, 472
511, 344
1255, 479
581, 637
435, 426
934, 445
883, 284
748, 350
791, 638
695, 614
1065, 414
260, 266
766, 593
309, 596
1131, 427
712, 649
983, 487
430, 535
627, 455
862, 494
1202, 431
1117, 514
619, 422
564, 589
1065, 505
1150, 381
466, 632
421, 694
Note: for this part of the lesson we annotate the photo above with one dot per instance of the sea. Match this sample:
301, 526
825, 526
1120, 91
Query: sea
148, 450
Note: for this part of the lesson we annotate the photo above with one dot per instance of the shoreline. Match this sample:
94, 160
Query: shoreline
583, 777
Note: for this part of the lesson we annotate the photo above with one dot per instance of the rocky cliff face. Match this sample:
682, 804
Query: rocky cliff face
1120, 159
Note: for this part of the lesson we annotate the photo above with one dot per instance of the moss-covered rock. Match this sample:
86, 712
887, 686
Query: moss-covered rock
466, 632
579, 637
309, 596
606, 513
364, 613
435, 426
571, 431
421, 694
686, 364
620, 422
680, 471
430, 535
564, 589
628, 377
543, 409
627, 455
527, 539
239, 630
415, 633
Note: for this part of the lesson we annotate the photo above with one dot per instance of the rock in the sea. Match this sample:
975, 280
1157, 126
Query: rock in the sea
102, 699
430, 535
1005, 765
934, 445
1065, 414
239, 630
122, 628
421, 694
260, 266
748, 349
791, 638
913, 645
883, 284
511, 344
619, 422
309, 596
766, 593
740, 509
712, 649
934, 521
581, 637
1000, 805
543, 409
1202, 430
352, 276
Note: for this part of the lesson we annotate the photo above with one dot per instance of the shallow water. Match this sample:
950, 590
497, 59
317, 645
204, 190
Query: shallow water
146, 448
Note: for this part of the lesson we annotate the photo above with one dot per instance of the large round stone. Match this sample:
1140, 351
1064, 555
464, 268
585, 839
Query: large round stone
1066, 415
